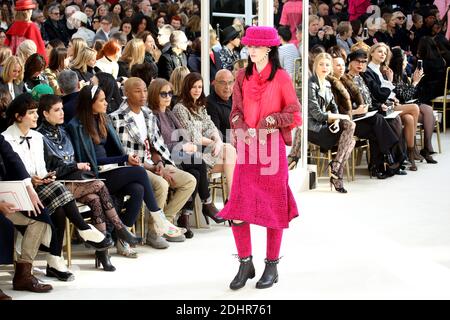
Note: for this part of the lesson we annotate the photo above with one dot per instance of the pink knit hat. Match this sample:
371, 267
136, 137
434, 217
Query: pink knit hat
261, 37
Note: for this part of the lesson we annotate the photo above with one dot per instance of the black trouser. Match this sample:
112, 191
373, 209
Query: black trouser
197, 167
133, 182
381, 137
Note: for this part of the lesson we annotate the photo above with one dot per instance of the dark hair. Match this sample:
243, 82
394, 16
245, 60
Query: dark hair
112, 92
146, 71
136, 21
35, 63
285, 33
46, 102
20, 105
337, 52
86, 116
273, 57
427, 49
57, 57
56, 43
396, 63
126, 20
5, 100
185, 96
197, 46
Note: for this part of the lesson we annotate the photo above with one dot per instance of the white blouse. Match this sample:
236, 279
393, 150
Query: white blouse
33, 157
108, 66
384, 83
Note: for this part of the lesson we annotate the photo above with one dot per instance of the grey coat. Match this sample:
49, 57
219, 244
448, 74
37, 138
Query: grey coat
319, 103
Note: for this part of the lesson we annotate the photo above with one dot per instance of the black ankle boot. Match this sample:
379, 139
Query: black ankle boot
246, 271
127, 236
103, 258
270, 275
60, 275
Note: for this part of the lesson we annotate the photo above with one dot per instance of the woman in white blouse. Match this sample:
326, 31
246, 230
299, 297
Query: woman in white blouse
12, 76
59, 202
107, 58
379, 57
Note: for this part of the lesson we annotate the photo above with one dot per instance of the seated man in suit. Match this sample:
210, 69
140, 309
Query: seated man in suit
218, 104
37, 232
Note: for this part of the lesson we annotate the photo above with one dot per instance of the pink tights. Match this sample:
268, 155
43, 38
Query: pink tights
243, 240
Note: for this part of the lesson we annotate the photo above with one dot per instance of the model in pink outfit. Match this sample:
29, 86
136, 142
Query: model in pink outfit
265, 110
443, 6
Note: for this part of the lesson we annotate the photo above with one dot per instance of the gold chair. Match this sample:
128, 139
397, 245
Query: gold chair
420, 131
317, 154
217, 181
69, 232
360, 146
442, 100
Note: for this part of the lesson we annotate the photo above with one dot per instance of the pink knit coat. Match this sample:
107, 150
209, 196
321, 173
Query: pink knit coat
260, 193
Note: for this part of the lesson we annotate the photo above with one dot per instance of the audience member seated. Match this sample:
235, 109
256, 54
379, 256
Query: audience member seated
36, 233
326, 127
405, 90
83, 64
183, 153
97, 142
12, 77
200, 130
59, 202
218, 103
139, 134
60, 158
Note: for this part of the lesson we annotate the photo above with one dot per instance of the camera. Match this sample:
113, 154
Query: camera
419, 64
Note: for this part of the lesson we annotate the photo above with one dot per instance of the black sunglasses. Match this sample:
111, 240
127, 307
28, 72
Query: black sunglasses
164, 94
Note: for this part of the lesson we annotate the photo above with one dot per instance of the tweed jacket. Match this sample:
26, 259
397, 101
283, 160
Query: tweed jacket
128, 132
319, 103
197, 124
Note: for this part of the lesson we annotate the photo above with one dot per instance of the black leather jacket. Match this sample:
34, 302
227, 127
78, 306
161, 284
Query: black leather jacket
319, 103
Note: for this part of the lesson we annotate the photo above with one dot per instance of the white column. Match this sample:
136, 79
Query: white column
265, 12
248, 12
205, 44
305, 86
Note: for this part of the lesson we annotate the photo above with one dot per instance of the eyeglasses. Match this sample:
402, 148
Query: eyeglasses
401, 18
56, 13
165, 94
361, 61
225, 83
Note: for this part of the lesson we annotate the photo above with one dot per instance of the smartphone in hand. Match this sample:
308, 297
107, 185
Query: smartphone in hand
419, 64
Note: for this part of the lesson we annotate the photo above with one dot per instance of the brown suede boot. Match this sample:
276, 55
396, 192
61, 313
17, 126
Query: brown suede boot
24, 281
4, 296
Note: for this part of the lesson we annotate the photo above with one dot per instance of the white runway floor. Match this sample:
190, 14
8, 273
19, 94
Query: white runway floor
385, 239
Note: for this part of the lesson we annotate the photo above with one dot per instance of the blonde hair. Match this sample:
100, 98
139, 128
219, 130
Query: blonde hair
80, 61
23, 15
10, 64
78, 44
26, 49
320, 57
177, 77
388, 52
5, 53
360, 45
134, 52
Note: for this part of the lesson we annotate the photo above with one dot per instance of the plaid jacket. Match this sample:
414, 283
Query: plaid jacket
128, 132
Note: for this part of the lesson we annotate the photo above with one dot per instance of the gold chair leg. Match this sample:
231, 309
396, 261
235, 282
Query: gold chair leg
68, 243
438, 135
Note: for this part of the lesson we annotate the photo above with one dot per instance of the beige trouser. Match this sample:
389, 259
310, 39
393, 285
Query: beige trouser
33, 237
182, 189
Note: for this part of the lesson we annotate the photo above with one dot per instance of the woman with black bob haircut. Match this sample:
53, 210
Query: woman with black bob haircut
33, 74
59, 202
95, 141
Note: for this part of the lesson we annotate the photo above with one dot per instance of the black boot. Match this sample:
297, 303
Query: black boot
270, 275
103, 258
246, 271
127, 236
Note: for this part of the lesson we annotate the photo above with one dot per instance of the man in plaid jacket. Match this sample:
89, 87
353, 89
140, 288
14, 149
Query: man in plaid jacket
139, 133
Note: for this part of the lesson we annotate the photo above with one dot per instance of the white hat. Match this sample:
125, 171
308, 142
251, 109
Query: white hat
78, 15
